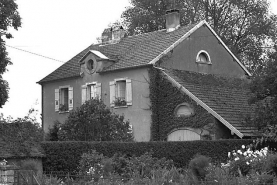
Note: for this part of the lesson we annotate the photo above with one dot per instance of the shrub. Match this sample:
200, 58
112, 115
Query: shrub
271, 164
199, 166
93, 121
65, 156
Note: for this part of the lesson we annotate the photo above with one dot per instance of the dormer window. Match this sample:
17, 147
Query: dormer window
203, 57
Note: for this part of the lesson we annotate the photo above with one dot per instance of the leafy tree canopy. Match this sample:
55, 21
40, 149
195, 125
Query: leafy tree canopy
245, 26
9, 17
264, 88
93, 121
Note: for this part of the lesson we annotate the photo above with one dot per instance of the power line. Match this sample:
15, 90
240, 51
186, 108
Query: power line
34, 53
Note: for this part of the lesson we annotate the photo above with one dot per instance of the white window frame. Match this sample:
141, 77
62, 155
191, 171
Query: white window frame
58, 97
206, 54
86, 91
128, 92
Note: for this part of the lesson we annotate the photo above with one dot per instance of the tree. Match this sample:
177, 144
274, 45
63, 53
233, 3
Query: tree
246, 26
9, 17
93, 121
264, 89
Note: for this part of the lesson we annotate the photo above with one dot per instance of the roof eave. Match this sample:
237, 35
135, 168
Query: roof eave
41, 82
202, 104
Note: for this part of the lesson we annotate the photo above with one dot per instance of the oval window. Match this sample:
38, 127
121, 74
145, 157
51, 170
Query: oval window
90, 64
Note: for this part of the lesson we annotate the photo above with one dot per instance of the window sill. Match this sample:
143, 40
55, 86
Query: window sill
204, 63
123, 106
63, 112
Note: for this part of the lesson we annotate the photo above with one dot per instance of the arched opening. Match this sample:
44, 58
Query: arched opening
183, 135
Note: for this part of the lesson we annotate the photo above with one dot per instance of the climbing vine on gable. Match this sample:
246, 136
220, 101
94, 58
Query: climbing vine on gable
164, 99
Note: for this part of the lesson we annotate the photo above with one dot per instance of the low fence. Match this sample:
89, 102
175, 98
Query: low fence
18, 177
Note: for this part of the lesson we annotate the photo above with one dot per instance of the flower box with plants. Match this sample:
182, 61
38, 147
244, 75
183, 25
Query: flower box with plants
63, 108
118, 102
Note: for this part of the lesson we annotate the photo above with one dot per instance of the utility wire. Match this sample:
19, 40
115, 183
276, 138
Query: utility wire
34, 53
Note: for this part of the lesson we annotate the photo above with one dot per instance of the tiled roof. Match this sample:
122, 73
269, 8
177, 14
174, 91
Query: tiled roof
228, 97
131, 52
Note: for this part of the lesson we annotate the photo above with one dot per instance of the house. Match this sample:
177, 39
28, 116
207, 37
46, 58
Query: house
211, 83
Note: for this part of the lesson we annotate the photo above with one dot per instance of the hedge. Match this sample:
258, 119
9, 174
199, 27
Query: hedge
65, 156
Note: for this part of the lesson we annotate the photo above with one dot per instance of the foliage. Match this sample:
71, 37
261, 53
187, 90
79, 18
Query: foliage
244, 26
93, 121
98, 166
145, 169
164, 99
65, 156
52, 135
21, 137
199, 166
264, 89
9, 18
120, 102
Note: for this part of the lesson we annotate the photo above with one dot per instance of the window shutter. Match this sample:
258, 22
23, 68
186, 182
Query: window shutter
88, 92
129, 91
84, 93
70, 98
112, 93
57, 102
98, 90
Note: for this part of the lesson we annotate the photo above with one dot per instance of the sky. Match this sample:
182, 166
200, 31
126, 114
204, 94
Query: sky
57, 29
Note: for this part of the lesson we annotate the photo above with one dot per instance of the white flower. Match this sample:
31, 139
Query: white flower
247, 163
239, 152
229, 154
245, 153
236, 158
243, 147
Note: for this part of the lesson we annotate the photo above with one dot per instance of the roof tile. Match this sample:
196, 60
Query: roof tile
226, 96
131, 51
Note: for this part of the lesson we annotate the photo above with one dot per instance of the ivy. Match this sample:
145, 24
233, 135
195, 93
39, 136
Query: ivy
164, 99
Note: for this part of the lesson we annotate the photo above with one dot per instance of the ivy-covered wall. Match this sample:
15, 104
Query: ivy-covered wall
165, 98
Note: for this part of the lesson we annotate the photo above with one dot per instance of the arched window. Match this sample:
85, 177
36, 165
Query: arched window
203, 57
184, 110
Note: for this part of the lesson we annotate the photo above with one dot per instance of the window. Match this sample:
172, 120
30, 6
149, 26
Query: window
63, 99
90, 64
120, 92
184, 109
91, 91
203, 57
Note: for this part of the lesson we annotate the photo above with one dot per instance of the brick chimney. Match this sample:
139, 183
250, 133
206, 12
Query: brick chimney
117, 33
106, 35
172, 20
112, 35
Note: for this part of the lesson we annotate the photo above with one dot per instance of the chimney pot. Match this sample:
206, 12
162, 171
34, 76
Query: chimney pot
172, 20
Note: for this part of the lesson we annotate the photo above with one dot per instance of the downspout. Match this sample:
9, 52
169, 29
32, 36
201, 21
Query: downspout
42, 115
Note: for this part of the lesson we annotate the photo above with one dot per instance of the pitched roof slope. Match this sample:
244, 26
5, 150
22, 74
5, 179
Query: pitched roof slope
228, 97
131, 52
